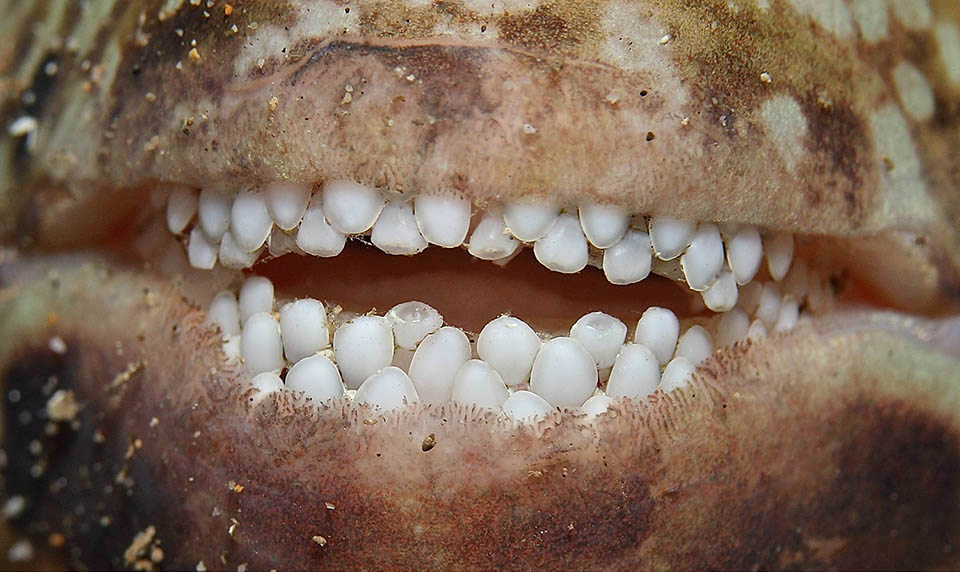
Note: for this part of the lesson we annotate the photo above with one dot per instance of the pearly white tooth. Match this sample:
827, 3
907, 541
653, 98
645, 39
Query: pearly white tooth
213, 212
181, 206
200, 252
677, 374
788, 315
436, 361
442, 219
387, 389
411, 322
596, 405
658, 329
526, 406
603, 225
636, 372
529, 221
745, 253
280, 243
232, 256
779, 249
249, 220
670, 236
303, 327
695, 344
491, 240
317, 377
287, 202
703, 259
509, 345
267, 383
476, 383
362, 346
769, 307
750, 295
731, 327
564, 373
564, 248
629, 260
722, 295
225, 313
350, 207
601, 334
315, 235
260, 343
256, 295
396, 232
756, 331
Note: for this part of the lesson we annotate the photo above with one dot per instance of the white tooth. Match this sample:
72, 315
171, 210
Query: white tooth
201, 253
315, 235
181, 206
317, 377
732, 327
260, 343
658, 329
350, 207
564, 373
287, 202
779, 249
529, 221
745, 253
256, 295
231, 348
769, 307
362, 346
603, 225
703, 259
280, 243
387, 389
509, 345
596, 405
411, 322
563, 248
443, 219
677, 374
213, 212
669, 236
787, 317
602, 335
722, 295
232, 256
250, 221
695, 344
476, 383
436, 361
225, 312
629, 260
491, 240
396, 232
267, 383
303, 327
750, 296
526, 406
636, 372
756, 330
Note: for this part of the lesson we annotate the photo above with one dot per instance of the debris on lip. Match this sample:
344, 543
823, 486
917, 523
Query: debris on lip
144, 552
234, 523
665, 39
529, 129
22, 126
13, 507
194, 54
765, 78
319, 540
21, 551
329, 505
62, 406
429, 443
234, 486
273, 103
57, 345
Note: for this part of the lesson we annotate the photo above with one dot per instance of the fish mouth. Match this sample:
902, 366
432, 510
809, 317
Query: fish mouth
781, 400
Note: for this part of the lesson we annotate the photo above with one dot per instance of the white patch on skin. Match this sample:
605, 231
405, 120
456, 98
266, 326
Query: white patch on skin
948, 38
786, 127
831, 15
906, 193
913, 14
872, 18
915, 94
763, 5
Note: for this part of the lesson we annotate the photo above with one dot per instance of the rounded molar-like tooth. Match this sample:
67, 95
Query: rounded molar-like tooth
779, 249
232, 256
260, 343
564, 373
256, 295
303, 328
350, 207
436, 361
396, 232
526, 406
476, 383
250, 221
596, 405
491, 240
564, 248
213, 212
362, 347
756, 331
745, 253
695, 344
603, 225
788, 315
722, 295
509, 345
287, 202
443, 219
677, 374
658, 329
703, 259
529, 221
181, 207
388, 389
267, 383
629, 260
670, 236
200, 251
636, 372
413, 321
316, 236
602, 335
317, 377
768, 308
731, 327
225, 313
